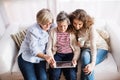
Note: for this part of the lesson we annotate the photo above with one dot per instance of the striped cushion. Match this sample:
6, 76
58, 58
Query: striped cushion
19, 37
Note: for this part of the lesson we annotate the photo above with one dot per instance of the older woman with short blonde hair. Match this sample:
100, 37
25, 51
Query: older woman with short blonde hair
32, 58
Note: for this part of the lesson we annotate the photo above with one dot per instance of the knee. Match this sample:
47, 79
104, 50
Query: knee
43, 77
85, 57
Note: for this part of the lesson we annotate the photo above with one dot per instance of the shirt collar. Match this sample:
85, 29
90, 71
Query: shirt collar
41, 30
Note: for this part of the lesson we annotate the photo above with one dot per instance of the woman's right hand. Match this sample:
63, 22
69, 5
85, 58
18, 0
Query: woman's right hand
89, 68
53, 65
49, 59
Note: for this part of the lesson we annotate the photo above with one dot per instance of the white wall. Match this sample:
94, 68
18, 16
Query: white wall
101, 9
2, 27
2, 20
23, 11
110, 10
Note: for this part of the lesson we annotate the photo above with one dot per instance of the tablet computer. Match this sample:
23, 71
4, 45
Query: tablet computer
64, 64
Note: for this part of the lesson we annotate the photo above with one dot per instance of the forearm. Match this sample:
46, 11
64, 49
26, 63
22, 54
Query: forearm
93, 46
76, 54
93, 56
41, 55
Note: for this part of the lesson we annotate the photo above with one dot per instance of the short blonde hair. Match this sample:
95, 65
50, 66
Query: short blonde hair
44, 16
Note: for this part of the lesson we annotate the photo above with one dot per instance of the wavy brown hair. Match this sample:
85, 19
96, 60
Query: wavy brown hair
81, 15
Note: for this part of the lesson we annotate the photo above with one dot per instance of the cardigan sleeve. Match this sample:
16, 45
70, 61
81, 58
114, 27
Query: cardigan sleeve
76, 48
93, 44
49, 44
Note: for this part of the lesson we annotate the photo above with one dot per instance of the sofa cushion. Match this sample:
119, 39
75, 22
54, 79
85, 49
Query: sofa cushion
19, 37
105, 35
109, 65
107, 68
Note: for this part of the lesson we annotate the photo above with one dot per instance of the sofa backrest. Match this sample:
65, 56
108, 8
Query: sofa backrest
113, 28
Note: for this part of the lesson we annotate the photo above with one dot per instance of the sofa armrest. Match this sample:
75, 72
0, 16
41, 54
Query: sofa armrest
113, 29
8, 50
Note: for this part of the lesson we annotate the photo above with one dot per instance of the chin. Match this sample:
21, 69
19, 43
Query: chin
77, 28
46, 29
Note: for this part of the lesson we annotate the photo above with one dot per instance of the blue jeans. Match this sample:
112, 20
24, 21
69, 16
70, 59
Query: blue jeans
32, 71
69, 73
86, 59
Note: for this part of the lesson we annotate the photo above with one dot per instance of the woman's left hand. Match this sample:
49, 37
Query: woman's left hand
78, 43
89, 68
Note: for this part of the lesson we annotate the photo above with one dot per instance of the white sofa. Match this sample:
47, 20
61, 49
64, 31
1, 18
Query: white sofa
107, 70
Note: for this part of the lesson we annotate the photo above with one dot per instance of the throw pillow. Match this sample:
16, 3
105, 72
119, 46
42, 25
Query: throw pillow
19, 37
104, 34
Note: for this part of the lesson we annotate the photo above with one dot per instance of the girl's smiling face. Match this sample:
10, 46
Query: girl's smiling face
62, 26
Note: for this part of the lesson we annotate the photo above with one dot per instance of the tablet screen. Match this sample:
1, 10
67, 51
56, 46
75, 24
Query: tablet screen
64, 64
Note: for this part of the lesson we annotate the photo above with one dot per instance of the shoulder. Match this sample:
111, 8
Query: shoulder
35, 30
92, 30
72, 35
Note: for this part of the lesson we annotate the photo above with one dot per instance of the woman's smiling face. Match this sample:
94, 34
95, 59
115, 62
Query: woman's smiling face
77, 24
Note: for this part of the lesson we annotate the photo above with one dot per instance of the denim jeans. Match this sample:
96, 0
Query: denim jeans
69, 73
86, 59
32, 71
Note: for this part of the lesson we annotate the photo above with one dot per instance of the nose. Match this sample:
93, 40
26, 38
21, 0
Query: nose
77, 26
62, 27
48, 25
